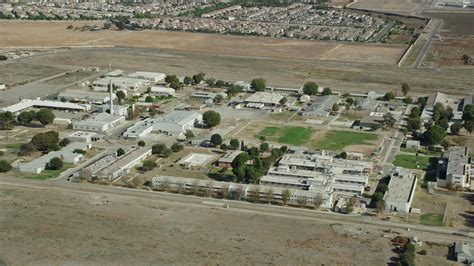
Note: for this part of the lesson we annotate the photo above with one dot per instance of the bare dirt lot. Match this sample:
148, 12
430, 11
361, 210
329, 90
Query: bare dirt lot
54, 34
406, 7
44, 228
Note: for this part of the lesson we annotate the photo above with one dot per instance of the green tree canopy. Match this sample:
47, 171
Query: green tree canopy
211, 118
326, 91
45, 116
434, 135
258, 84
5, 166
216, 139
310, 88
55, 164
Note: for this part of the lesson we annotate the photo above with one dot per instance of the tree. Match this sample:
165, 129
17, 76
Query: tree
407, 100
285, 196
239, 173
5, 166
378, 196
171, 78
434, 135
405, 88
211, 118
318, 201
149, 99
382, 188
148, 165
389, 96
161, 149
176, 147
283, 101
234, 144
468, 113
389, 120
264, 147
141, 143
258, 84
445, 144
198, 78
120, 95
224, 147
343, 155
469, 126
46, 141
220, 83
456, 128
350, 101
407, 257
188, 80
254, 194
120, 152
219, 98
335, 107
79, 151
225, 191
269, 195
64, 142
310, 88
26, 117
55, 164
211, 82
45, 116
6, 120
326, 91
302, 201
216, 139
413, 124
380, 206
234, 90
26, 149
189, 134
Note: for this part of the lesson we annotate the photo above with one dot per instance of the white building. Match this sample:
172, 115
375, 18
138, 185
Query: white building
265, 98
293, 91
140, 129
162, 91
433, 99
85, 96
455, 169
153, 77
3, 87
84, 136
176, 123
207, 95
401, 191
28, 103
66, 154
124, 83
241, 191
123, 164
100, 122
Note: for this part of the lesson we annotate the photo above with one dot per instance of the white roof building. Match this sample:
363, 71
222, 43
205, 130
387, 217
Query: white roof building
28, 103
140, 129
177, 122
100, 122
266, 98
86, 96
433, 99
401, 190
125, 83
66, 154
123, 164
84, 136
153, 77
160, 90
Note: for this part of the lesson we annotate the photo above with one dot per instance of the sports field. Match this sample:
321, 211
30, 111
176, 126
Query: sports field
412, 161
337, 140
288, 135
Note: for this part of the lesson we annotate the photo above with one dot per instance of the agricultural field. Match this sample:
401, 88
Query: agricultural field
432, 219
412, 161
335, 140
296, 136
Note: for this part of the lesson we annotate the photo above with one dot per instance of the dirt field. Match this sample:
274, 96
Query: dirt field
407, 7
41, 228
54, 34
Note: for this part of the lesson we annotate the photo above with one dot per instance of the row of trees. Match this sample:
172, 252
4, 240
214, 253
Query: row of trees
44, 116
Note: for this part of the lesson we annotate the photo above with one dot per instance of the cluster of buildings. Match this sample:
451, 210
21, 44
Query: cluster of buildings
297, 20
173, 124
322, 106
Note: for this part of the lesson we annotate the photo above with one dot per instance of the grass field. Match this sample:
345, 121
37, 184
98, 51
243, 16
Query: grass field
337, 140
288, 135
48, 174
411, 161
435, 219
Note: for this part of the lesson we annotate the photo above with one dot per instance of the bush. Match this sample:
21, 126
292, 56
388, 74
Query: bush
5, 166
176, 147
148, 165
120, 152
55, 164
79, 151
141, 143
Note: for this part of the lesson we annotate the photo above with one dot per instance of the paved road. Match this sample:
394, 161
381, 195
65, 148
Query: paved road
438, 24
425, 233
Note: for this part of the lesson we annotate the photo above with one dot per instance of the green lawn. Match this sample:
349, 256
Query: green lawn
411, 161
48, 174
288, 135
336, 140
13, 146
435, 219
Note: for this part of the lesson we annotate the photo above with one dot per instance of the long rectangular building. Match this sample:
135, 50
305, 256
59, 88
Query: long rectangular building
28, 103
101, 122
123, 164
85, 96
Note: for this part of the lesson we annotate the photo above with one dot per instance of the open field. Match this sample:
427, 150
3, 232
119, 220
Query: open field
411, 161
435, 219
112, 229
287, 135
54, 34
406, 7
338, 140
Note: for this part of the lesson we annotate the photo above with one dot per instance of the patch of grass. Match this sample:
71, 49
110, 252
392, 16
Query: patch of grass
13, 146
48, 174
433, 219
415, 50
411, 161
336, 140
288, 135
